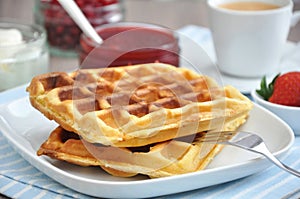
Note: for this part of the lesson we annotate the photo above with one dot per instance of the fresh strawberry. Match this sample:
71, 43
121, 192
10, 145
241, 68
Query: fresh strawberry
284, 89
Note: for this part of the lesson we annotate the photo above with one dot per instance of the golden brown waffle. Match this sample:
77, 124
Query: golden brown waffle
173, 157
156, 160
136, 105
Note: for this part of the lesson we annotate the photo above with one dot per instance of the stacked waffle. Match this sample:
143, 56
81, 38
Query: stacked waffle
141, 119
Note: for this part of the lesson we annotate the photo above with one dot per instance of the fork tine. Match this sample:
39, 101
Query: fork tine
217, 137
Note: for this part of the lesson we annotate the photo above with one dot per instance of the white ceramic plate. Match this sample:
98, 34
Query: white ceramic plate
25, 128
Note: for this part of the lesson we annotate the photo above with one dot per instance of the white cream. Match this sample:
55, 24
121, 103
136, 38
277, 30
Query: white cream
11, 41
9, 37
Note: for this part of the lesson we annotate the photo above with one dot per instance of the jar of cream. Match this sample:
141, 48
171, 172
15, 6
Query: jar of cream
23, 53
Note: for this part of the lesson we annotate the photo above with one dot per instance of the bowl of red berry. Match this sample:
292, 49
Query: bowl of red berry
63, 33
282, 97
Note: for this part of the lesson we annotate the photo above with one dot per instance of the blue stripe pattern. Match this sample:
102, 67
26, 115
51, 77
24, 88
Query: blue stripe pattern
18, 179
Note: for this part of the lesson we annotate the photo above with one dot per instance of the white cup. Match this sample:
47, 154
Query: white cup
250, 43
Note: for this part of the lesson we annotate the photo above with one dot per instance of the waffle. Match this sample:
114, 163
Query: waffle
162, 159
172, 157
136, 105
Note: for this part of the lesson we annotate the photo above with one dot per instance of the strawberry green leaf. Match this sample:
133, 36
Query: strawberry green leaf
265, 90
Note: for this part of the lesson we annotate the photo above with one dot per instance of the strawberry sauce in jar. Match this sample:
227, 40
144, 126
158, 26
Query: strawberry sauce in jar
129, 43
63, 33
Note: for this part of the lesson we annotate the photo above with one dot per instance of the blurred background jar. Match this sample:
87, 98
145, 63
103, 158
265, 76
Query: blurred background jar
23, 52
128, 43
63, 33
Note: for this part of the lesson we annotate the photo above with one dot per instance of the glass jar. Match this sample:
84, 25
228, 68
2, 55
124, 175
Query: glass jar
63, 32
23, 53
128, 43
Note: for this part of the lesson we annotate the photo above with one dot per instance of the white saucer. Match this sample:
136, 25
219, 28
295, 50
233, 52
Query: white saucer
246, 85
202, 59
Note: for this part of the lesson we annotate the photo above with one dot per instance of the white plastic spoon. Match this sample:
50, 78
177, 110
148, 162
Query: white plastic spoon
76, 14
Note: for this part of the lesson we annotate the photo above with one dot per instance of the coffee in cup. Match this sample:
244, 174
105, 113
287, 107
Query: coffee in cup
248, 6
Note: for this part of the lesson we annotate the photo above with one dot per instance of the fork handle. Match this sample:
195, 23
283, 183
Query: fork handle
278, 163
263, 150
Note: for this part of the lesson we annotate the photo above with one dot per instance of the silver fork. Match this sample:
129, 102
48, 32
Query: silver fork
247, 141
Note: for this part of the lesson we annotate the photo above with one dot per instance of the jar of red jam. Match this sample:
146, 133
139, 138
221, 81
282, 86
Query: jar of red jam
63, 33
128, 43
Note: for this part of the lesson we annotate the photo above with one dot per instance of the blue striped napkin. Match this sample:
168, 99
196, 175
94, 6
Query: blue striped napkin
19, 179
202, 36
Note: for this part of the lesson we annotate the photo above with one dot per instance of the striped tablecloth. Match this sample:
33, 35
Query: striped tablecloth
19, 179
